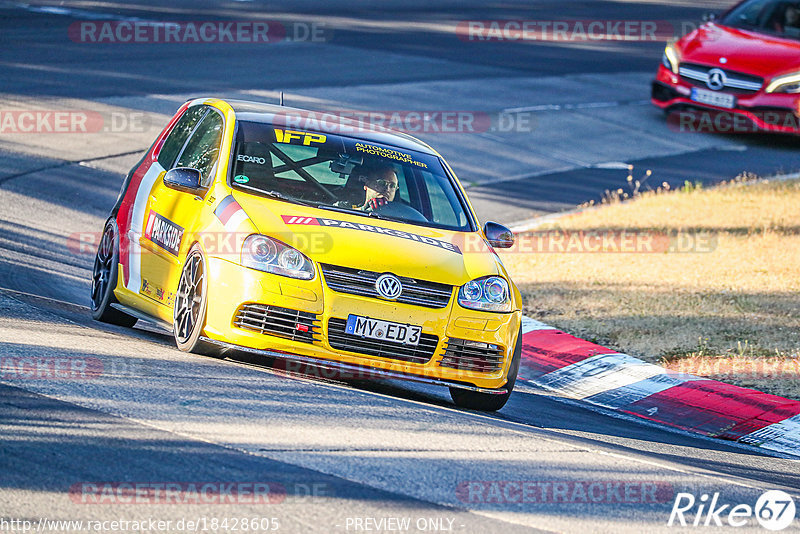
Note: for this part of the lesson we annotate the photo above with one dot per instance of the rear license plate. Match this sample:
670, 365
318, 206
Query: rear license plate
384, 330
722, 100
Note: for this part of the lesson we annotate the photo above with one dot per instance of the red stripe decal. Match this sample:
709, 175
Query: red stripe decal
714, 408
228, 212
295, 219
545, 351
149, 230
126, 206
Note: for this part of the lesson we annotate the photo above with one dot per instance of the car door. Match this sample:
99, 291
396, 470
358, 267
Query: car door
172, 213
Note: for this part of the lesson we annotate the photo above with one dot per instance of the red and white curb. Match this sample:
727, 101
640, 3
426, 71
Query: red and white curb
582, 370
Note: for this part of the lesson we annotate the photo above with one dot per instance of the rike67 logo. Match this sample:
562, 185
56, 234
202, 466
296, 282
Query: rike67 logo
774, 510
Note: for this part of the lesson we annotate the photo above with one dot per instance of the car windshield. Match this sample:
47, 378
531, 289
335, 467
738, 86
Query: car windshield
776, 17
345, 174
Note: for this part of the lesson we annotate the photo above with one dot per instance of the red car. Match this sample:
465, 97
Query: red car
744, 65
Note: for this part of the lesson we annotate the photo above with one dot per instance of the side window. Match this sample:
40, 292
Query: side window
202, 150
179, 134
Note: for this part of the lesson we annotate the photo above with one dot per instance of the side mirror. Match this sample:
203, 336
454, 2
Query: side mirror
709, 17
183, 179
498, 235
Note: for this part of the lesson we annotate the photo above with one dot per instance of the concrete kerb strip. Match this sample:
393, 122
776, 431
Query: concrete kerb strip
581, 370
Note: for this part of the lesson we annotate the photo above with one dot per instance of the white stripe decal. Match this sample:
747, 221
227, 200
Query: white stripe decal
637, 391
782, 437
137, 223
615, 380
597, 374
531, 325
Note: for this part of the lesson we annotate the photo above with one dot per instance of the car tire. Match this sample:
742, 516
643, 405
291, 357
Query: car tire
191, 306
490, 402
104, 279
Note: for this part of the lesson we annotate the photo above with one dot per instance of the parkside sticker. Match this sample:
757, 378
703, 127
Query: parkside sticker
164, 233
314, 221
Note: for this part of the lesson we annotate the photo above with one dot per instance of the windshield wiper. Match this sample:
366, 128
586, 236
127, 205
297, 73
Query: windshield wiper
353, 211
280, 196
373, 214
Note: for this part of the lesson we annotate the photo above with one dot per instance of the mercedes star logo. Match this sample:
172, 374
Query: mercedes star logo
716, 79
388, 286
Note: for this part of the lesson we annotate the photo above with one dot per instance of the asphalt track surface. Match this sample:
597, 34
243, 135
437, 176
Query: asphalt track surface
342, 457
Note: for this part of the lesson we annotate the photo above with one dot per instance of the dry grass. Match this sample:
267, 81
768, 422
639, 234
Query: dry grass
731, 313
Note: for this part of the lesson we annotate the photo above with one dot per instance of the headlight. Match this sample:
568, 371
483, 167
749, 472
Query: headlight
270, 255
788, 83
487, 294
670, 58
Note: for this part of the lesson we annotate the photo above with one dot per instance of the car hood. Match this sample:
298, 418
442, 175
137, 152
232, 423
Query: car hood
747, 52
373, 244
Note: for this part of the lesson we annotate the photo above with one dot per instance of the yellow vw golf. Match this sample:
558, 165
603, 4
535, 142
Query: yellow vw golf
244, 227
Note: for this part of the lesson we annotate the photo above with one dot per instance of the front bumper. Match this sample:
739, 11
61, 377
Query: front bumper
763, 112
230, 286
348, 371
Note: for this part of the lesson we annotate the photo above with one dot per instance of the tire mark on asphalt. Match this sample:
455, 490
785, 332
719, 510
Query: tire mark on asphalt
579, 105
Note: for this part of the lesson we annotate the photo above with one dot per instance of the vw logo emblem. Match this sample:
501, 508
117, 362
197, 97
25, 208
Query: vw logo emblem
388, 286
716, 79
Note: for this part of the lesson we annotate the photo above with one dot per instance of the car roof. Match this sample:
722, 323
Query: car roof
333, 124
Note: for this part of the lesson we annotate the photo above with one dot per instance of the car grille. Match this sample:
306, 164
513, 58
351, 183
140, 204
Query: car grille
735, 82
472, 356
663, 93
282, 322
339, 340
360, 282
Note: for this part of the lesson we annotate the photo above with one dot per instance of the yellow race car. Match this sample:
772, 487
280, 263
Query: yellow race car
349, 248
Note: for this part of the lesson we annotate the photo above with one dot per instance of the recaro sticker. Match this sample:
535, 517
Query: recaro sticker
246, 158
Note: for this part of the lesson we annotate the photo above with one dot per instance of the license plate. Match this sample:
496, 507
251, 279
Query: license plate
384, 330
722, 100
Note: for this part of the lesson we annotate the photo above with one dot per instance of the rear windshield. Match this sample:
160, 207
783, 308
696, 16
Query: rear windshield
346, 174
